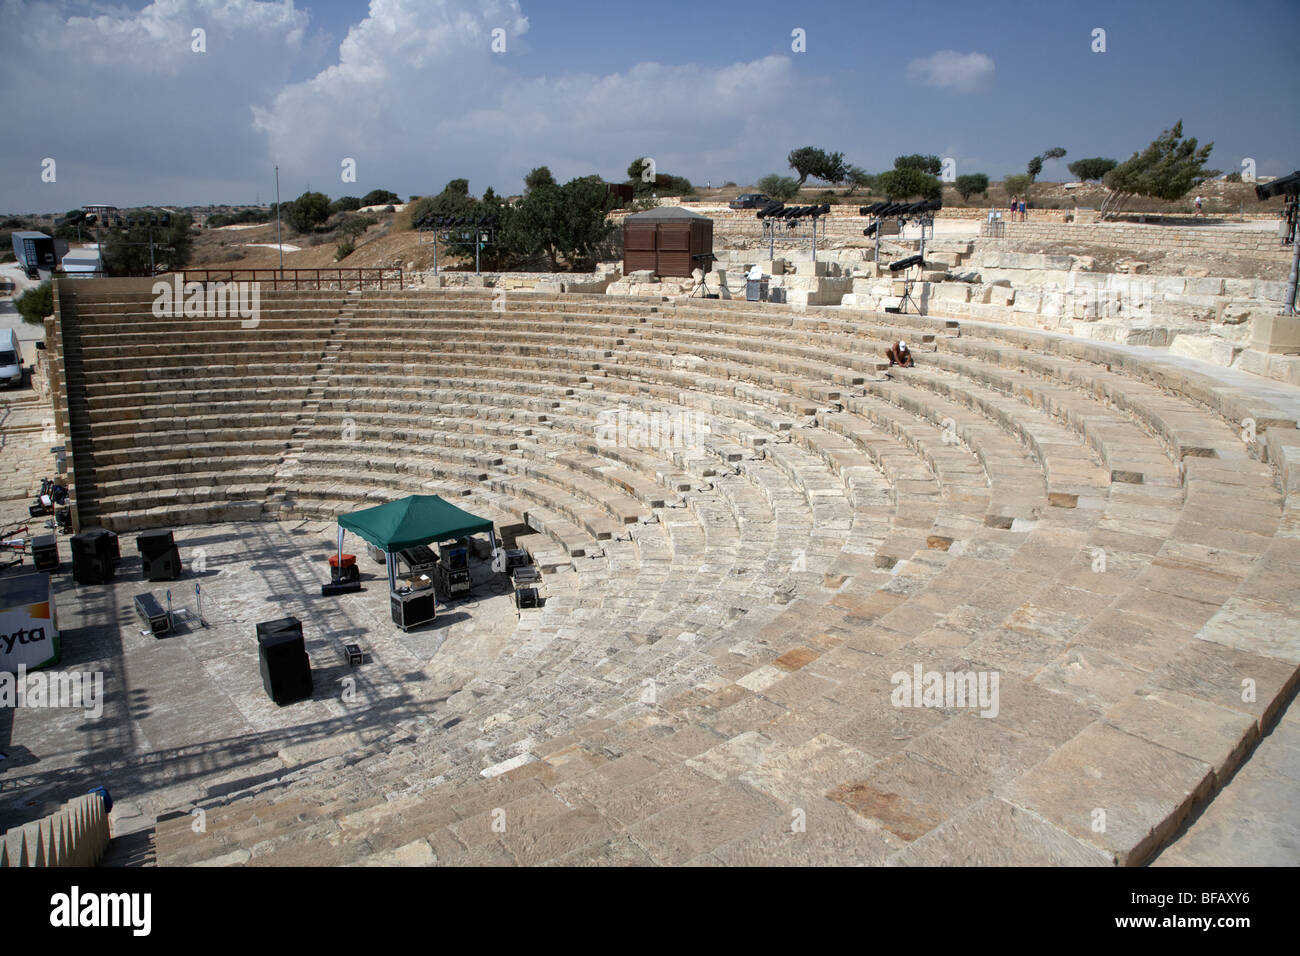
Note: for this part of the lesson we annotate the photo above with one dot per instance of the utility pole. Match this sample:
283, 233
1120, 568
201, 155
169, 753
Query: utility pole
278, 244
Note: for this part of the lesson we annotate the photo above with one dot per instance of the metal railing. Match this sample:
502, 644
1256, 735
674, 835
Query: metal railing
302, 279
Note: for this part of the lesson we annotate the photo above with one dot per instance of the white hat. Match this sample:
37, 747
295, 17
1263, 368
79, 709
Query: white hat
902, 344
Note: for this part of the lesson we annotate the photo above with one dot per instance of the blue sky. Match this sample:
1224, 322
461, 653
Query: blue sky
712, 91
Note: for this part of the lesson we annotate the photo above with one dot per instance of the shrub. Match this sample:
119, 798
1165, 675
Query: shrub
35, 304
972, 183
783, 188
308, 211
344, 249
379, 197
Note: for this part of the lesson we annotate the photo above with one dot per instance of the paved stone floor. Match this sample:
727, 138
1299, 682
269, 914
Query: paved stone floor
1255, 819
191, 705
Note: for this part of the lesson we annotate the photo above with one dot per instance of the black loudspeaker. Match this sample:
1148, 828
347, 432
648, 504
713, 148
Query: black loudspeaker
282, 658
340, 587
162, 567
526, 597
45, 552
413, 608
349, 575
159, 556
92, 556
114, 546
155, 541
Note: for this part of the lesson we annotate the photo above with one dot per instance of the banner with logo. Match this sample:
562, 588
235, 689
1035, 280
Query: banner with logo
29, 634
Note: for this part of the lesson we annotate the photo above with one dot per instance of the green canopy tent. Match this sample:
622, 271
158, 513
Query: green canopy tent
411, 521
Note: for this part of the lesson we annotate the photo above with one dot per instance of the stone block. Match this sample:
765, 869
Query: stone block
951, 292
822, 267
1205, 287
1206, 348
1276, 334
1027, 301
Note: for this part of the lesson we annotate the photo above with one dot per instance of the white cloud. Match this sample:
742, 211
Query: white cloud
129, 112
413, 93
418, 88
950, 70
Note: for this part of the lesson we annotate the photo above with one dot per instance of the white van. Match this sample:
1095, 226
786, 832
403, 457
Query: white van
11, 358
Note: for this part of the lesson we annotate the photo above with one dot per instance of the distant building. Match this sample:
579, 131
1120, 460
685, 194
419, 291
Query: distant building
102, 212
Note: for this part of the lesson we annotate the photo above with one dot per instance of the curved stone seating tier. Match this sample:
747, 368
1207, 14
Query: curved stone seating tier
1081, 519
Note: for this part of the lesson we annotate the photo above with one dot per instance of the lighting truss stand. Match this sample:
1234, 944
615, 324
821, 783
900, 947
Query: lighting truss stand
907, 292
706, 260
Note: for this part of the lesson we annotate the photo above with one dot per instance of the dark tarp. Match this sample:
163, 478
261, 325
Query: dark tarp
412, 521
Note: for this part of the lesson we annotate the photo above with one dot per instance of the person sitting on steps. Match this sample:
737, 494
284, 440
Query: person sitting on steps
900, 354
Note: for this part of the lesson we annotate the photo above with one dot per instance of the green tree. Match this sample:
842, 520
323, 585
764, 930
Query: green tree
569, 221
926, 164
540, 176
1035, 165
454, 200
36, 303
1091, 170
126, 250
908, 183
773, 186
661, 184
1017, 184
346, 204
307, 211
970, 184
819, 164
636, 170
381, 197
1166, 169
353, 227
859, 178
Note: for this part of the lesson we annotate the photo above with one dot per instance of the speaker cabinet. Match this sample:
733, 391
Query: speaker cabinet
114, 546
159, 556
45, 552
282, 659
454, 557
162, 567
413, 609
92, 556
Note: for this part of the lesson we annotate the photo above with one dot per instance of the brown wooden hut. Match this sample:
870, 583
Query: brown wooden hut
668, 240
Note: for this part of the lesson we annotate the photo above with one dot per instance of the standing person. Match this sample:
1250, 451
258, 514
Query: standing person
1015, 207
1023, 207
1199, 212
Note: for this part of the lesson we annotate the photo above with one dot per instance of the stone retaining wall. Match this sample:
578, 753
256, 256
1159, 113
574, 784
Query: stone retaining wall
1241, 242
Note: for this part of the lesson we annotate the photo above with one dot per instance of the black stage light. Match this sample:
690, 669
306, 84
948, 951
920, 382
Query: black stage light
907, 263
870, 230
